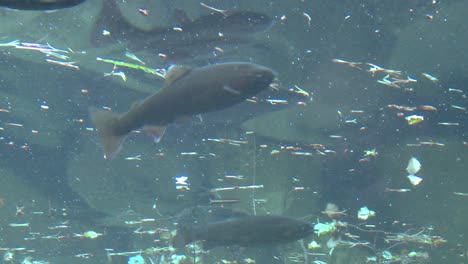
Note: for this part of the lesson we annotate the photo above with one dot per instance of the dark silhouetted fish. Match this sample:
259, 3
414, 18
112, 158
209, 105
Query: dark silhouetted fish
193, 38
187, 92
39, 4
198, 216
244, 230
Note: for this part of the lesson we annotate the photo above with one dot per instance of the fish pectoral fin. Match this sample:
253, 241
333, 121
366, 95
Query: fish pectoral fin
156, 132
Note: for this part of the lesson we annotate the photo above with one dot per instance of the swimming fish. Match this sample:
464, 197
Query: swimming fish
245, 231
187, 92
193, 38
39, 4
199, 216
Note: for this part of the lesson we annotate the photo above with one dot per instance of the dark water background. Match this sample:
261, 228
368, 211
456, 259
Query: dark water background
60, 178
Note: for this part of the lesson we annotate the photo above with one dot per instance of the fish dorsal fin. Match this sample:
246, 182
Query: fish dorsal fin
176, 72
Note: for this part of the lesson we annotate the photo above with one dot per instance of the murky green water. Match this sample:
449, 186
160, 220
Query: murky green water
364, 86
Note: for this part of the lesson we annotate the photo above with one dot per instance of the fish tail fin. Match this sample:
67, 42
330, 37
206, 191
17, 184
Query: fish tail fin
183, 237
105, 122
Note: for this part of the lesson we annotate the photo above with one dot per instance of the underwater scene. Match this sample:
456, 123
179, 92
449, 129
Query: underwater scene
233, 132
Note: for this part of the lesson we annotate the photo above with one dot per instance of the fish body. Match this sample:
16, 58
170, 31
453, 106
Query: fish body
39, 4
245, 231
205, 34
187, 92
194, 38
199, 216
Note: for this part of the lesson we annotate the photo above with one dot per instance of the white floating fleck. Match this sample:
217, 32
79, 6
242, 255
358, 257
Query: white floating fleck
414, 119
181, 180
8, 256
332, 210
333, 242
91, 234
364, 213
138, 259
313, 245
430, 77
413, 166
415, 180
387, 255
324, 228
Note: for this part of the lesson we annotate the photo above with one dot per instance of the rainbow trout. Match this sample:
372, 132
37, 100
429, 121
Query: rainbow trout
187, 92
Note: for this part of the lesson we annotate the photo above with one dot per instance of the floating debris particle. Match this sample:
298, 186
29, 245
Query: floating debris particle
14, 124
68, 64
301, 153
181, 180
143, 11
414, 180
234, 177
431, 144
462, 108
277, 101
448, 124
191, 153
413, 166
298, 90
8, 256
134, 57
364, 213
250, 187
307, 16
19, 224
397, 190
138, 259
313, 245
401, 107
324, 228
455, 90
414, 119
90, 234
332, 210
427, 108
137, 157
119, 74
430, 77
371, 153
351, 64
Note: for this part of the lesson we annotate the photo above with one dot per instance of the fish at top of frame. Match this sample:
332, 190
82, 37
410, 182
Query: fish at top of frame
39, 5
187, 38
